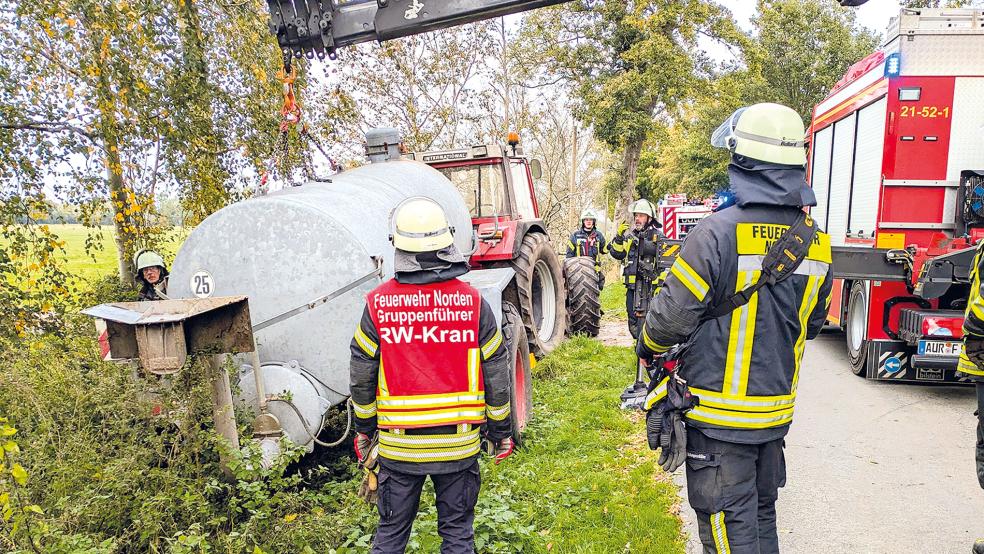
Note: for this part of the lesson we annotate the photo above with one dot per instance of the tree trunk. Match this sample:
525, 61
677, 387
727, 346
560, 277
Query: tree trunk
630, 170
120, 195
572, 178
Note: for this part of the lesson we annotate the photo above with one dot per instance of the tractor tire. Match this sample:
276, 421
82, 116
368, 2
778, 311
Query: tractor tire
540, 292
583, 296
520, 378
856, 328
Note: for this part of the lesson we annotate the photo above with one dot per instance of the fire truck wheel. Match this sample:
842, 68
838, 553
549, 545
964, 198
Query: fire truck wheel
857, 317
520, 380
540, 293
583, 292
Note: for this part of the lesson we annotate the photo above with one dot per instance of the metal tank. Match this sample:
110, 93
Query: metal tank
290, 248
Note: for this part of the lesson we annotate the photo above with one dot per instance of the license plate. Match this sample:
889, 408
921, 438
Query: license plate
940, 348
930, 374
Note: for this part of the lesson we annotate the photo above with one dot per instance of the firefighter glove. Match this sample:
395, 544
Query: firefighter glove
665, 427
622, 228
504, 449
363, 443
672, 441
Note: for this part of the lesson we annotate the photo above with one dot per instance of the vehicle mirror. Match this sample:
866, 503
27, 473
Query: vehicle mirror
536, 169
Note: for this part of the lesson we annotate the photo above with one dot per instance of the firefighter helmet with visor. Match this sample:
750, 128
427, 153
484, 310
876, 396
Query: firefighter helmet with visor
643, 206
419, 224
767, 132
147, 258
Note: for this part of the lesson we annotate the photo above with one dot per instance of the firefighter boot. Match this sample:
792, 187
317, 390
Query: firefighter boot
978, 547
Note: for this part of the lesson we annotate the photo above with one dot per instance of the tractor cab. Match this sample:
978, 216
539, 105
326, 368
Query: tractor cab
496, 183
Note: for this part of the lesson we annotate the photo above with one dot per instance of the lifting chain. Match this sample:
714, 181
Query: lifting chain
290, 116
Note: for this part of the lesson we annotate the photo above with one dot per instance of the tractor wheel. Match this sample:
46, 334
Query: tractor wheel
520, 380
540, 292
583, 296
856, 328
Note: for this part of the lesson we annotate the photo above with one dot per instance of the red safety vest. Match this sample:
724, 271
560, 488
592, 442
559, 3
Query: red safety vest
430, 371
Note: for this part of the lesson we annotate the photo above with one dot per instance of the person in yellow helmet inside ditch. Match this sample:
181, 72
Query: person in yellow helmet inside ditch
589, 242
750, 286
151, 275
971, 363
429, 369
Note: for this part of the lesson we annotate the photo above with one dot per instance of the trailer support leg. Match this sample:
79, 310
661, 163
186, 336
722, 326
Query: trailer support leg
222, 411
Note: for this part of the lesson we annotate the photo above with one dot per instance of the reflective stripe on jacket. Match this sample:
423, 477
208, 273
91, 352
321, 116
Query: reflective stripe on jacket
430, 370
638, 250
973, 317
744, 365
587, 243
431, 383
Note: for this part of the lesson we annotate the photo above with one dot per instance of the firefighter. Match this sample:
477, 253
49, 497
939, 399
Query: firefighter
743, 365
428, 370
588, 241
638, 249
151, 275
971, 363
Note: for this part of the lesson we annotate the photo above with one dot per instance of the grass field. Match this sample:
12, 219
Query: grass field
100, 260
613, 300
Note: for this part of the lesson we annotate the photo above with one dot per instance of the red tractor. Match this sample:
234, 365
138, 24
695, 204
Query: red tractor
496, 183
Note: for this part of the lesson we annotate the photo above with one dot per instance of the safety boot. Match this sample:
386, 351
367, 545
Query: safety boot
979, 547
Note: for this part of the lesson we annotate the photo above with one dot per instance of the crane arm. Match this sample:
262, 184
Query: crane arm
320, 27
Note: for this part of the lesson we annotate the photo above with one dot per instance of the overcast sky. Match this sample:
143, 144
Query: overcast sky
873, 15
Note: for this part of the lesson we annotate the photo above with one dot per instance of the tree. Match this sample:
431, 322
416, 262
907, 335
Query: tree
424, 85
117, 100
798, 50
629, 64
803, 48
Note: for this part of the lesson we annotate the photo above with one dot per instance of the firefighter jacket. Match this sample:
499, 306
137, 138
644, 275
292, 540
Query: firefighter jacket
153, 292
973, 326
429, 367
587, 243
744, 366
639, 251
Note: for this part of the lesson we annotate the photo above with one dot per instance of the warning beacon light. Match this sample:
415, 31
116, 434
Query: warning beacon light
893, 65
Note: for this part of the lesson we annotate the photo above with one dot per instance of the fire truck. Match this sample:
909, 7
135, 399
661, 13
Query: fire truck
897, 164
679, 216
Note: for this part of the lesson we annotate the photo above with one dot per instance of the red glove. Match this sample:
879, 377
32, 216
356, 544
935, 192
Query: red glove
362, 442
504, 450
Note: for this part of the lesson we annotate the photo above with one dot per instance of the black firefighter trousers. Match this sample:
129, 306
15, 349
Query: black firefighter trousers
635, 322
733, 488
399, 498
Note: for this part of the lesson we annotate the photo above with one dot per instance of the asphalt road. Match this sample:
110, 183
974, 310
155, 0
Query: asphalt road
874, 467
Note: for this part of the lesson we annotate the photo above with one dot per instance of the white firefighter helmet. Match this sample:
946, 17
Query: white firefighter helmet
147, 258
643, 206
589, 213
420, 225
766, 132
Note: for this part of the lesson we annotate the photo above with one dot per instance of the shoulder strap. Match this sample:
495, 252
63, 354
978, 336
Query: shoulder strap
781, 261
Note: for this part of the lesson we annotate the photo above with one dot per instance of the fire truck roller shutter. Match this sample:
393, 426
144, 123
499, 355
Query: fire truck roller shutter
867, 167
966, 125
841, 172
820, 173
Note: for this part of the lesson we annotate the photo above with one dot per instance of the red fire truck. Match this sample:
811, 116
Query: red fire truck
678, 216
896, 162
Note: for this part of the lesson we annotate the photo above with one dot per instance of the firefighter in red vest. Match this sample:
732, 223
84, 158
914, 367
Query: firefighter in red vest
429, 369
